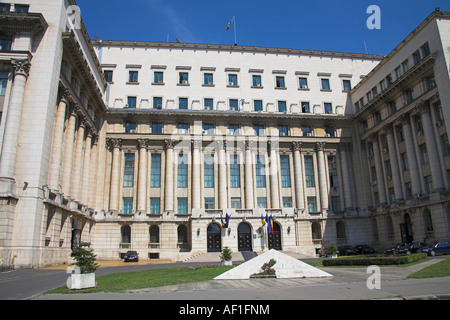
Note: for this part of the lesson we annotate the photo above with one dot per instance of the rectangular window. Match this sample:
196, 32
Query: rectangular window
374, 175
155, 178
158, 77
130, 127
287, 202
108, 75
209, 204
157, 102
128, 205
428, 185
391, 195
208, 128
262, 202
332, 172
236, 203
347, 85
183, 128
303, 83
232, 80
425, 50
258, 105
132, 102
325, 84
336, 204
423, 154
388, 168
133, 76
280, 82
233, 129
183, 78
182, 171
209, 171
328, 108
306, 130
128, 178
256, 81
3, 83
209, 104
404, 160
416, 57
309, 172
259, 129
208, 79
312, 204
282, 106
285, 172
260, 172
182, 205
305, 107
283, 131
157, 127
5, 7
183, 103
445, 144
234, 105
155, 206
235, 172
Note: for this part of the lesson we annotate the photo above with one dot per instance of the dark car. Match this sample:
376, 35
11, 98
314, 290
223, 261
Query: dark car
346, 250
363, 249
132, 256
413, 248
399, 246
441, 247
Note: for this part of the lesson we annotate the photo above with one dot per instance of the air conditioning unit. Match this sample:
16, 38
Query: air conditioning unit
309, 134
231, 83
328, 135
385, 150
184, 82
159, 106
133, 131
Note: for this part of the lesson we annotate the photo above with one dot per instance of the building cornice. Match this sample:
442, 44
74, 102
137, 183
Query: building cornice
22, 22
221, 47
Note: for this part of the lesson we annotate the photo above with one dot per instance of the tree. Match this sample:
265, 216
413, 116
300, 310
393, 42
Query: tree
85, 258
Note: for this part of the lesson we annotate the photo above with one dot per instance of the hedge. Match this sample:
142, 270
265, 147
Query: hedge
369, 260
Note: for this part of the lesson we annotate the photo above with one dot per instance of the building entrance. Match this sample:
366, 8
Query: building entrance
245, 237
275, 238
214, 238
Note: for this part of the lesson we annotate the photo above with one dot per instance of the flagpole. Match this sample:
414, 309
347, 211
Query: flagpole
235, 41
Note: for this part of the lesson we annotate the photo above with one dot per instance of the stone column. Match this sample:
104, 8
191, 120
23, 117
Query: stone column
68, 150
58, 139
249, 195
322, 175
398, 191
93, 172
78, 165
223, 197
297, 145
14, 116
85, 178
379, 169
433, 155
343, 149
196, 174
412, 160
142, 176
168, 196
116, 146
274, 189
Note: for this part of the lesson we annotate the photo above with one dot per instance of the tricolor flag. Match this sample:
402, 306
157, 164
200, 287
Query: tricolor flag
263, 222
230, 23
226, 222
269, 221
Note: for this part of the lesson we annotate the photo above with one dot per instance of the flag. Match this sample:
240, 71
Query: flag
230, 23
269, 223
263, 222
226, 222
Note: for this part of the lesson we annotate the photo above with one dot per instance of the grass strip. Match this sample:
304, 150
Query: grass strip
440, 269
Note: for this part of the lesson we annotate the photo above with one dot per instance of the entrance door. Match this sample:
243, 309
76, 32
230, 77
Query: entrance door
275, 237
245, 237
406, 229
214, 238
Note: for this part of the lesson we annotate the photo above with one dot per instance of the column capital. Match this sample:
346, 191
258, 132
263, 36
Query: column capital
64, 95
388, 128
143, 143
374, 137
248, 145
297, 145
320, 146
423, 107
273, 146
344, 146
114, 143
169, 144
21, 66
196, 144
403, 119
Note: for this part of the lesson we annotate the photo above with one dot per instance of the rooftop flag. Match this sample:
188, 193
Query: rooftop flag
230, 23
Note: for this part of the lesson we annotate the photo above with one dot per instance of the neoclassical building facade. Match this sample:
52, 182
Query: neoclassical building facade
154, 146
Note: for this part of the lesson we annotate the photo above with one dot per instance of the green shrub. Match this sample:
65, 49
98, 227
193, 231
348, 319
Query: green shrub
369, 260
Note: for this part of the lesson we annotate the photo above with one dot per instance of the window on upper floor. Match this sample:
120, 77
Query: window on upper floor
346, 85
303, 83
130, 127
234, 105
282, 106
256, 81
157, 102
132, 102
108, 75
425, 49
283, 131
328, 108
405, 66
158, 77
5, 7
183, 78
325, 84
157, 127
305, 107
3, 83
209, 104
5, 43
133, 76
128, 177
416, 57
258, 105
183, 103
208, 79
279, 82
233, 80
21, 8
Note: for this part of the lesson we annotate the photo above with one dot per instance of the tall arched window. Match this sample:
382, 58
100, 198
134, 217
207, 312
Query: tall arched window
182, 235
340, 231
316, 231
389, 228
126, 234
154, 234
427, 221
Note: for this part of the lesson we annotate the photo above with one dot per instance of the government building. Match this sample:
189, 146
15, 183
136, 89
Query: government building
179, 149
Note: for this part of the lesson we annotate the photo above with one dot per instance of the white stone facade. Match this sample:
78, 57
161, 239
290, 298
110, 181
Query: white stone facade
148, 146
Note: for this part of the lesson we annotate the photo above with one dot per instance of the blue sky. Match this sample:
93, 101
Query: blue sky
318, 25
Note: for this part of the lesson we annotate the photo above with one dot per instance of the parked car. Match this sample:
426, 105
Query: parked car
363, 249
394, 249
440, 247
413, 248
346, 250
131, 256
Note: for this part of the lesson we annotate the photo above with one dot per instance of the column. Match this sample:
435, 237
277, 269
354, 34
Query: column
12, 128
322, 175
379, 169
142, 176
433, 155
196, 174
68, 150
93, 172
223, 197
343, 149
249, 195
116, 146
168, 195
85, 178
273, 170
297, 145
412, 160
58, 139
75, 192
398, 191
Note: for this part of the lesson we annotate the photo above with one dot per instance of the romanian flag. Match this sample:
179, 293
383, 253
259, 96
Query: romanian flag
263, 222
269, 221
226, 222
230, 23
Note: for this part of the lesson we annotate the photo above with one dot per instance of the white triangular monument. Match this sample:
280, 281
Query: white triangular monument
286, 267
